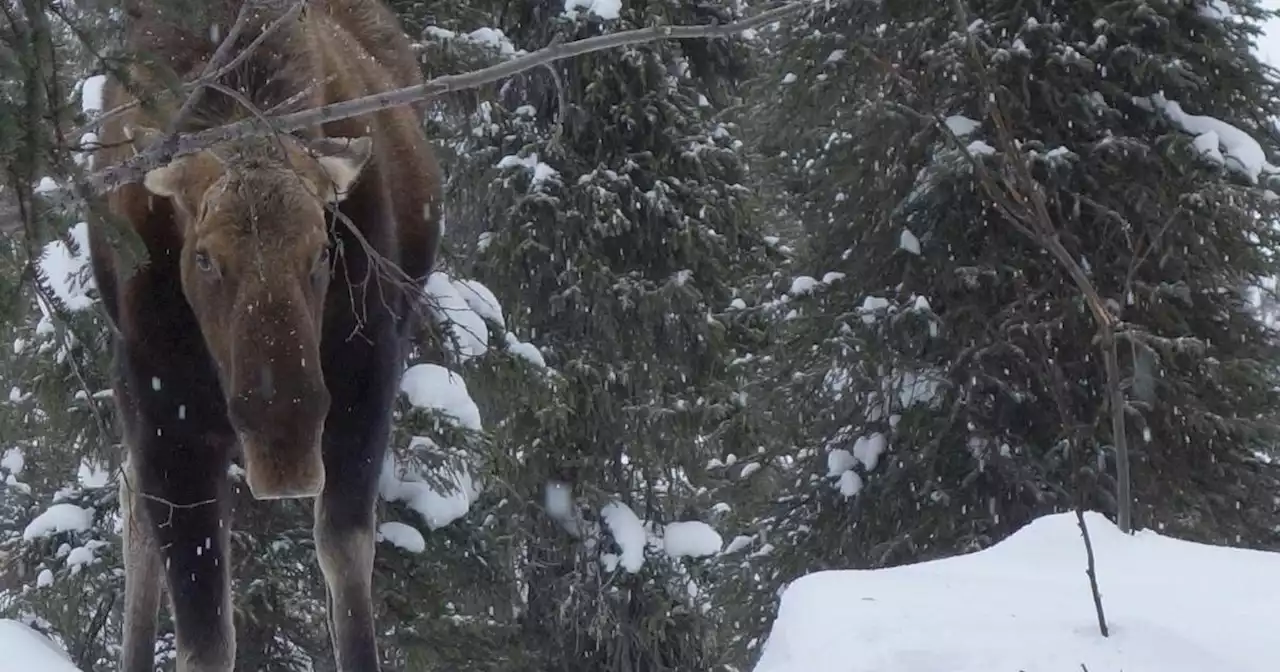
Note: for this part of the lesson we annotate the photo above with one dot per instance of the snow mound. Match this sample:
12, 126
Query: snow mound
1024, 604
26, 650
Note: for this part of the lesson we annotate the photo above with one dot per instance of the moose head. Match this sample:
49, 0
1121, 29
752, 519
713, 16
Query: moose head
255, 268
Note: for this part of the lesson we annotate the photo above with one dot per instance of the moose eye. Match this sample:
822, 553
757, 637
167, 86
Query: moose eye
203, 262
322, 259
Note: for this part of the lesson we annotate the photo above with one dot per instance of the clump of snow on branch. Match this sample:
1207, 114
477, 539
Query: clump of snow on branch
444, 491
961, 125
633, 536
1217, 10
465, 328
59, 518
540, 172
416, 486
66, 270
605, 9
431, 386
466, 309
491, 38
628, 532
692, 538
1243, 154
404, 536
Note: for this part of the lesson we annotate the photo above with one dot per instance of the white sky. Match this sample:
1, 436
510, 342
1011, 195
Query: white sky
1269, 43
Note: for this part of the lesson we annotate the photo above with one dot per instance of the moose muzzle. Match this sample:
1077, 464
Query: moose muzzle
278, 409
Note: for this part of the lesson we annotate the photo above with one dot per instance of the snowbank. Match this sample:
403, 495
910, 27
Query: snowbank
25, 650
1024, 605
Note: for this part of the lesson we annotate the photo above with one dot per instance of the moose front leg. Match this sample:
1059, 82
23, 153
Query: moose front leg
186, 503
344, 544
344, 534
355, 441
143, 573
176, 505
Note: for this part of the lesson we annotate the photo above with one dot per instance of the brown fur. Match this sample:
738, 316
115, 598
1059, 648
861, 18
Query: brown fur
244, 331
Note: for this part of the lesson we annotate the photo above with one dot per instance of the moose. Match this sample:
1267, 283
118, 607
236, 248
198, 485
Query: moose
258, 326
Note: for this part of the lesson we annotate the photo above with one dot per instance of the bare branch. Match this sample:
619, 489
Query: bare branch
134, 168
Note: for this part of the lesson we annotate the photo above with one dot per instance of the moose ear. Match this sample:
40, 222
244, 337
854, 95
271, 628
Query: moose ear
342, 159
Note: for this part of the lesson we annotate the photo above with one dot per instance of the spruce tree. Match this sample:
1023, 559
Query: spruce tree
618, 233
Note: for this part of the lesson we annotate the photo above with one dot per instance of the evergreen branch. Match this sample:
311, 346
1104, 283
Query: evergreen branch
133, 169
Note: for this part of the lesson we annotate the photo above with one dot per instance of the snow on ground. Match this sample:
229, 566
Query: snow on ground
1024, 606
25, 650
